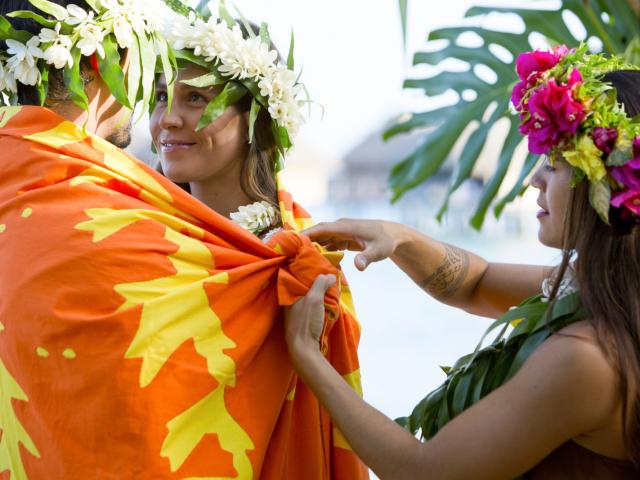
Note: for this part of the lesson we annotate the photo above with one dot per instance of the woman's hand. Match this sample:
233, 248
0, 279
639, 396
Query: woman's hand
375, 239
304, 322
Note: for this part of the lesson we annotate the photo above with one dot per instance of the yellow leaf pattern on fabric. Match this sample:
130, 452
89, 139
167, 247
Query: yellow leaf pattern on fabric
59, 136
107, 221
176, 309
6, 113
12, 433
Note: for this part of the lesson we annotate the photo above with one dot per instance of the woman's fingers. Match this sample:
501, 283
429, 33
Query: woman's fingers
368, 237
305, 318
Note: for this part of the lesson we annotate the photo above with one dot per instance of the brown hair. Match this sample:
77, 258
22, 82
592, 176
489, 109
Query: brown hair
257, 177
606, 262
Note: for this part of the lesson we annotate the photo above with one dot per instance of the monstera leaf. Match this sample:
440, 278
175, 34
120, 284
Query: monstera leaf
613, 22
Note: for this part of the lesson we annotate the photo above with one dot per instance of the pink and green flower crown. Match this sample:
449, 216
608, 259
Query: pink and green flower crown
568, 111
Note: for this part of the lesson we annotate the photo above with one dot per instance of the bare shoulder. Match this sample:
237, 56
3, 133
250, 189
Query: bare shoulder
572, 364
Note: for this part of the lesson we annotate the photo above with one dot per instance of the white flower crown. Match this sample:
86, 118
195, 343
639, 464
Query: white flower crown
218, 44
72, 32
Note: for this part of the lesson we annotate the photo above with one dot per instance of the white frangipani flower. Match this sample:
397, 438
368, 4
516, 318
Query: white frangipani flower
7, 80
123, 32
91, 37
78, 16
256, 218
24, 61
59, 51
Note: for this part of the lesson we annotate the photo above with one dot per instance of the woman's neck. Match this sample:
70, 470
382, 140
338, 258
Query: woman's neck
222, 196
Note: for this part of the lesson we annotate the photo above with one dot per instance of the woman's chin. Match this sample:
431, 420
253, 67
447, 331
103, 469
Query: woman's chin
549, 240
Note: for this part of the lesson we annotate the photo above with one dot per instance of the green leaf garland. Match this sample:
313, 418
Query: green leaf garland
476, 375
111, 71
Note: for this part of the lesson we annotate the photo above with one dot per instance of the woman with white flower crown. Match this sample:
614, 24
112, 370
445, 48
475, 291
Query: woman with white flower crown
217, 136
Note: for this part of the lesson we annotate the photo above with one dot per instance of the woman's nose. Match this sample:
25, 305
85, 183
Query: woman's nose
537, 180
171, 118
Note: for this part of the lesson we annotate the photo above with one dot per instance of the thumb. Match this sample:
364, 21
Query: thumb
367, 256
321, 284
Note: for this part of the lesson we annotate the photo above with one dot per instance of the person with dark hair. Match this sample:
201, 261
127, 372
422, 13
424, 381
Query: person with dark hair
141, 330
556, 395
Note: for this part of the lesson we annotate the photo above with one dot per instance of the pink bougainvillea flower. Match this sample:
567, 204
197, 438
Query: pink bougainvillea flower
555, 114
535, 62
628, 174
629, 199
605, 138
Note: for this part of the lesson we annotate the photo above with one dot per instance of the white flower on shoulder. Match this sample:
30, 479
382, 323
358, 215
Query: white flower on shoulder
256, 218
7, 80
24, 61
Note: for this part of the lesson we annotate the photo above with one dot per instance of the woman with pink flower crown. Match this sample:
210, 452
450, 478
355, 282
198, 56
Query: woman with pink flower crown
553, 389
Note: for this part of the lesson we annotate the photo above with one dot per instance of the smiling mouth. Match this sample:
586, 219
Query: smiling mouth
541, 213
168, 147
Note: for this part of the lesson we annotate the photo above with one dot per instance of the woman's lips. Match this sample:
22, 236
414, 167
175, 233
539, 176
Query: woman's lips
169, 147
541, 213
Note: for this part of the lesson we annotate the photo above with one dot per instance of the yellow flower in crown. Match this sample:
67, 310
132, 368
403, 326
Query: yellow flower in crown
587, 157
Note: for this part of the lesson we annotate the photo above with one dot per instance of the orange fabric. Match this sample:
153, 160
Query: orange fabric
141, 333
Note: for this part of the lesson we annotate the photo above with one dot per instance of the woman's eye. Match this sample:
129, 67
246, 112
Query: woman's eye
549, 168
161, 96
196, 97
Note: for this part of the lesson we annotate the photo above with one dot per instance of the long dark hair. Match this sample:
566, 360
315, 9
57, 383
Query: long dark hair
606, 262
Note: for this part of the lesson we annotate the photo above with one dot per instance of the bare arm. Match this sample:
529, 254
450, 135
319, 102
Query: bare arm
450, 274
566, 389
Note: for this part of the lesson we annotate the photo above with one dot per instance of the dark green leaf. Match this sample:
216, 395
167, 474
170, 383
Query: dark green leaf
526, 350
111, 71
470, 155
518, 189
232, 92
491, 188
7, 31
461, 394
74, 83
43, 86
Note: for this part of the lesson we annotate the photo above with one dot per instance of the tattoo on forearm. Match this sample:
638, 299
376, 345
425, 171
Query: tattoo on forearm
449, 275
